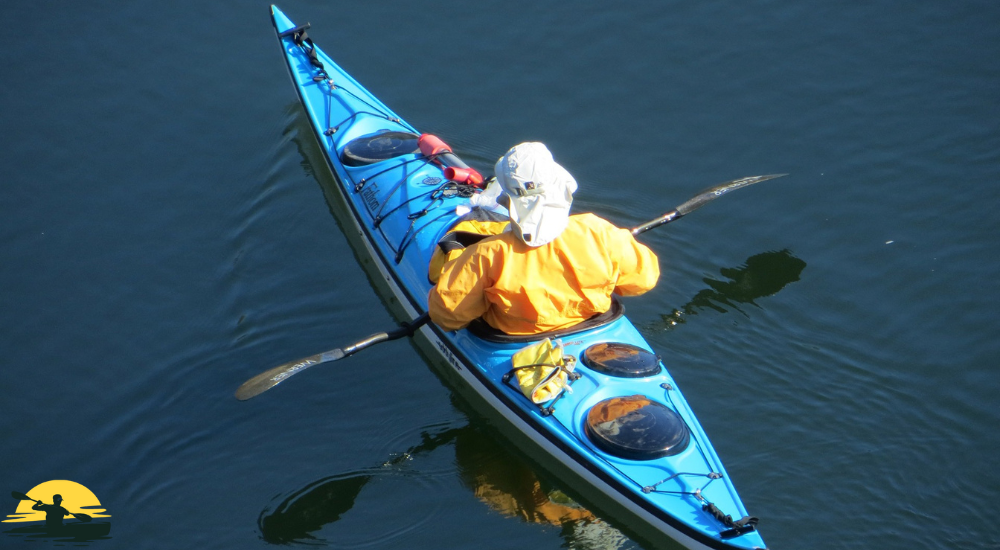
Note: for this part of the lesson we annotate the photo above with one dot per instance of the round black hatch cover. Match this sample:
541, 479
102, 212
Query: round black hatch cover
637, 428
372, 148
624, 360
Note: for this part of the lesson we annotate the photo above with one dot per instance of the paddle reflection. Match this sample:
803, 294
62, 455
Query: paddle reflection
501, 480
325, 501
762, 275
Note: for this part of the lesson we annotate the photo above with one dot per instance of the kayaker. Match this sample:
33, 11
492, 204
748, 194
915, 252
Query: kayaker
551, 270
54, 513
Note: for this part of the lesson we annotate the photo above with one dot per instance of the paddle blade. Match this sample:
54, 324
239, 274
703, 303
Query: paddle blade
271, 378
712, 193
82, 517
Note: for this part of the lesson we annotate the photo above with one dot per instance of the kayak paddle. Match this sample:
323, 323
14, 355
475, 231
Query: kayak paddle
22, 496
701, 199
271, 378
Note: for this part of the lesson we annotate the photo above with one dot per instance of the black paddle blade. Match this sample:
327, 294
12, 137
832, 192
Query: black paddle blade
712, 193
271, 378
701, 199
20, 496
82, 517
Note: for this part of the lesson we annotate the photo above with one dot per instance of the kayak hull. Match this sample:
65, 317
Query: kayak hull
393, 213
78, 532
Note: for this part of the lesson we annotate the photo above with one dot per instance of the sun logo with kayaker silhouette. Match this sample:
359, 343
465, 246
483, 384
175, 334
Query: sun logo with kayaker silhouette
60, 509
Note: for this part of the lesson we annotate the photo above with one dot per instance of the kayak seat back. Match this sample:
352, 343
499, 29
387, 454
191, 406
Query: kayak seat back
481, 329
467, 231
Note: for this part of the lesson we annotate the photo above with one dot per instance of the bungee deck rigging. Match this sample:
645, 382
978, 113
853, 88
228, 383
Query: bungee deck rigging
402, 207
735, 527
435, 195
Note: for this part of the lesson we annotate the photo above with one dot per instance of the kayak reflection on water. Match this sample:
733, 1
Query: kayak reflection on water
762, 275
67, 532
509, 486
504, 482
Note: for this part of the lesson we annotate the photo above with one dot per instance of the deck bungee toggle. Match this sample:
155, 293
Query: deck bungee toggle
610, 421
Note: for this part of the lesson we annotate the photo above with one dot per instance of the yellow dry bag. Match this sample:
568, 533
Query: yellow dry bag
543, 371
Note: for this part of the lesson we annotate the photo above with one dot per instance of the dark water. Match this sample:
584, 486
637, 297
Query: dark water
163, 238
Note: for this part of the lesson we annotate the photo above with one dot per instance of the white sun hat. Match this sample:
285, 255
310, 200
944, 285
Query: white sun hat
540, 191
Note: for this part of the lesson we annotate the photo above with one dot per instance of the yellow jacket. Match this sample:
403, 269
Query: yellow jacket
523, 290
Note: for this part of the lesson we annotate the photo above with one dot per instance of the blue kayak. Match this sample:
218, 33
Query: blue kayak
623, 438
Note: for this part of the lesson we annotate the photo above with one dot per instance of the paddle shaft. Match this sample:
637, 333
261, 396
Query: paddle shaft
664, 219
271, 378
405, 329
701, 199
22, 496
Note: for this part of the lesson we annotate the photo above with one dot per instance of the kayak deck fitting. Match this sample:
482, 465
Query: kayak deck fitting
624, 437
